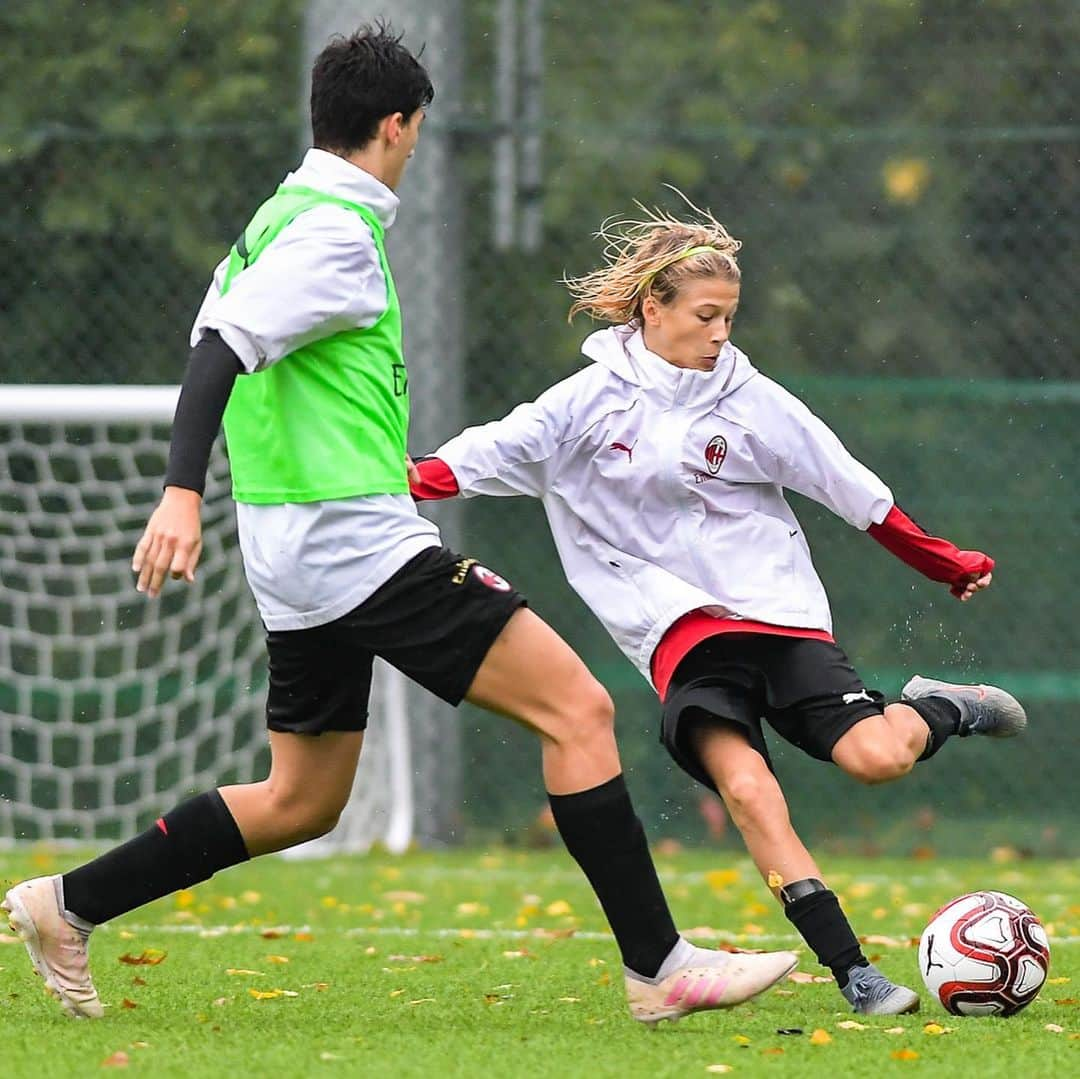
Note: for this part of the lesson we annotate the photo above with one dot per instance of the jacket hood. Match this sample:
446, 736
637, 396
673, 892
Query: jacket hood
622, 350
335, 176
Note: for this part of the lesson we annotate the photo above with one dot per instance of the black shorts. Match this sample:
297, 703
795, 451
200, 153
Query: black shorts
434, 620
806, 689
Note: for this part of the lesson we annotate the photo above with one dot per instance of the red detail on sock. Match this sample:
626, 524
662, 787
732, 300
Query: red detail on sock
162, 825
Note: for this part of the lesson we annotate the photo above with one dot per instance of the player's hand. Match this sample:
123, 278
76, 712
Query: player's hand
412, 471
965, 590
171, 543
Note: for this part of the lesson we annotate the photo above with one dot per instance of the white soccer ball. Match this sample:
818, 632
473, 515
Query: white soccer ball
984, 953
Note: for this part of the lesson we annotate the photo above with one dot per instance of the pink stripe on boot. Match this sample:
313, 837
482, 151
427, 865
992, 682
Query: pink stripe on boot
676, 991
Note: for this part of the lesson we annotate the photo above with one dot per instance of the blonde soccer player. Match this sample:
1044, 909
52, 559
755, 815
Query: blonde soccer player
662, 466
299, 344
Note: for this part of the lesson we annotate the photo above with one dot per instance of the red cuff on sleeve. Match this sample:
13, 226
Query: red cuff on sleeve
933, 557
436, 481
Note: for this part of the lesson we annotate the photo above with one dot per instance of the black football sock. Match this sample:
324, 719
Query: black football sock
186, 846
943, 719
815, 912
605, 837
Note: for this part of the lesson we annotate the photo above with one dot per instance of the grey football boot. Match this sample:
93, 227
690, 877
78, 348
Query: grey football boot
869, 992
983, 709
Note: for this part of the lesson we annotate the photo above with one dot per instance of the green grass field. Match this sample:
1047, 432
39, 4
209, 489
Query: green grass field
497, 963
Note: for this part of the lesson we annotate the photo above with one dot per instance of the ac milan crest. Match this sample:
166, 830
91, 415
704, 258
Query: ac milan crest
715, 452
492, 580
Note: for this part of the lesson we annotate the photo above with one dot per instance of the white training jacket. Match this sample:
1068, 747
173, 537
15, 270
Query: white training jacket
664, 488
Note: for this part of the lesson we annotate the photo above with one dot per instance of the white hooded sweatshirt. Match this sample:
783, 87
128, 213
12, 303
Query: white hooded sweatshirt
664, 488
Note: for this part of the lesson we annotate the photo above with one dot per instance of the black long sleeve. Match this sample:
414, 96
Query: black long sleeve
208, 381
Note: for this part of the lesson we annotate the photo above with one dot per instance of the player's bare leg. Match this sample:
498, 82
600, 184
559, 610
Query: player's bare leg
759, 810
310, 781
755, 802
881, 748
531, 675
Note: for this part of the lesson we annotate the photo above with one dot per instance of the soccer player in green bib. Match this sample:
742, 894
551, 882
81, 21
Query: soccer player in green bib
298, 346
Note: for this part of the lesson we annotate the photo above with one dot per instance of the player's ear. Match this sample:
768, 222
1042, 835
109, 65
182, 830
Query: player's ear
392, 126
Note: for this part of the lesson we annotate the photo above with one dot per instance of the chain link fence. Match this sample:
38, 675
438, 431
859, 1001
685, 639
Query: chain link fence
905, 178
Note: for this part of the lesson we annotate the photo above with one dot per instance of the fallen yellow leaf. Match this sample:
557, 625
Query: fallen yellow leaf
894, 1030
936, 1028
904, 1054
119, 1059
850, 1024
820, 1037
244, 973
149, 957
1054, 1028
741, 1039
279, 959
719, 879
719, 1069
268, 994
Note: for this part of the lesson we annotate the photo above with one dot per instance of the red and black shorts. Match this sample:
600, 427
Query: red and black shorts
434, 620
805, 689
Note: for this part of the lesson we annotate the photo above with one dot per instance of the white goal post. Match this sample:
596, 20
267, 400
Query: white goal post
113, 706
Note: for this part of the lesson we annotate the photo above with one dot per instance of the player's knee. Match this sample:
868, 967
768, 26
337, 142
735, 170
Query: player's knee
750, 798
586, 713
303, 814
873, 764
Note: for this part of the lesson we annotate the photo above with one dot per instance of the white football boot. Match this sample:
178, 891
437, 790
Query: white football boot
57, 949
709, 980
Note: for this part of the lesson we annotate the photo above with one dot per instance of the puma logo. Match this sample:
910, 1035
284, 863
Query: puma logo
628, 450
851, 698
930, 964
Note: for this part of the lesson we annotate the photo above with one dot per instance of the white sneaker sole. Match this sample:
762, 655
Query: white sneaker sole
23, 926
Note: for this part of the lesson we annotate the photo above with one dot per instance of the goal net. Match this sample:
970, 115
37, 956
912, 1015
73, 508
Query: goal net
114, 706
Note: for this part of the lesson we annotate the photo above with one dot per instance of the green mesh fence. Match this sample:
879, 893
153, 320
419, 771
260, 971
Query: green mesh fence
904, 177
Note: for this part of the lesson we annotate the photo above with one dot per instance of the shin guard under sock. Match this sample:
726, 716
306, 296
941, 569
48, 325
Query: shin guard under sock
186, 846
605, 837
815, 912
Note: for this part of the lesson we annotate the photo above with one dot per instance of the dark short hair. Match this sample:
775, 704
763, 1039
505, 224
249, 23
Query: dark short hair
358, 80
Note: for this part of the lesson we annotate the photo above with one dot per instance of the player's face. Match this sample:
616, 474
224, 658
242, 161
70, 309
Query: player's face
402, 150
692, 329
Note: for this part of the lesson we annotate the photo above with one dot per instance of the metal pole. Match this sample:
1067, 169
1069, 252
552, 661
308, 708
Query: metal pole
504, 159
425, 248
532, 115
